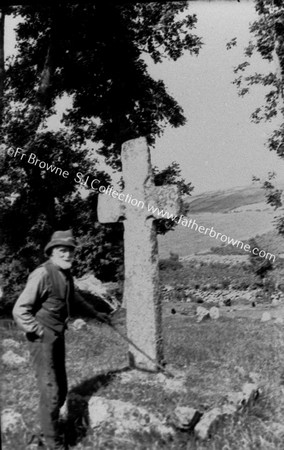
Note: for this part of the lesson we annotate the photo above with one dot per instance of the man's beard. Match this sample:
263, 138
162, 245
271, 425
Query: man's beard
64, 265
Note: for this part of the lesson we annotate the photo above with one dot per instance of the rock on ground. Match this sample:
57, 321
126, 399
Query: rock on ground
12, 422
266, 316
13, 360
235, 401
214, 313
10, 343
208, 423
102, 292
202, 313
185, 418
78, 324
124, 417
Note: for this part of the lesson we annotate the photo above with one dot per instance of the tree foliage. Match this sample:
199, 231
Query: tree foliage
268, 40
260, 266
93, 54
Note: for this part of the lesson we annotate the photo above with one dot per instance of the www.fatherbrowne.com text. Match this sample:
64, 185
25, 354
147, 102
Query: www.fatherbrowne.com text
193, 225
32, 159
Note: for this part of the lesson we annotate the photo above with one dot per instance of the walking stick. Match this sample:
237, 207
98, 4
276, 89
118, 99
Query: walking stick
127, 339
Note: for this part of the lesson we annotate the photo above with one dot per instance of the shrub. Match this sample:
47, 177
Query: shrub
260, 266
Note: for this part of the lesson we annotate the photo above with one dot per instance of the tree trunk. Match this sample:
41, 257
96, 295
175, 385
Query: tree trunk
2, 58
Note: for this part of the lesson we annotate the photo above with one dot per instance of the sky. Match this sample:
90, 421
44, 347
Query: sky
219, 147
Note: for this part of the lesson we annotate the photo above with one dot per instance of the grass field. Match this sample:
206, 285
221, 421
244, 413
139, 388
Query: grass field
216, 356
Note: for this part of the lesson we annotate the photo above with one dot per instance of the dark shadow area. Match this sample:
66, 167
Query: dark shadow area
77, 421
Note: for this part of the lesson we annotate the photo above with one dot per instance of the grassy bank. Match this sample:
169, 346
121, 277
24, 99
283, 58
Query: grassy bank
217, 357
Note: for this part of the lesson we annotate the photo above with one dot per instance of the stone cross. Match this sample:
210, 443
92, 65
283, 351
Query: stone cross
138, 206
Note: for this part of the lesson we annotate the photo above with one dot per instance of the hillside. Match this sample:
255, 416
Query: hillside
238, 213
227, 200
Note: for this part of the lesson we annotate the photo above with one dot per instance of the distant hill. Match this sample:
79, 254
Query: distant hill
239, 213
227, 200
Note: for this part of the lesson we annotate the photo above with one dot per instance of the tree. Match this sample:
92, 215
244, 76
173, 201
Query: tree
92, 53
260, 265
267, 39
2, 59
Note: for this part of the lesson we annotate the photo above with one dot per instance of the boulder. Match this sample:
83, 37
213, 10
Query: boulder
184, 418
234, 402
12, 422
214, 313
125, 417
266, 316
78, 324
202, 314
208, 423
10, 343
101, 294
13, 360
250, 392
244, 398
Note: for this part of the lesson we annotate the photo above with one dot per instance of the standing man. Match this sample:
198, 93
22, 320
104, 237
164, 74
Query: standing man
42, 311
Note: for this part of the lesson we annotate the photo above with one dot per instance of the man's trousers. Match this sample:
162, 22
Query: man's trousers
48, 357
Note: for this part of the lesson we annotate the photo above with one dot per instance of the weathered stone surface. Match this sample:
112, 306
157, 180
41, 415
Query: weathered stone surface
124, 417
78, 324
245, 397
250, 393
208, 423
185, 418
110, 209
202, 313
141, 296
10, 343
12, 422
234, 402
214, 313
13, 360
266, 316
141, 288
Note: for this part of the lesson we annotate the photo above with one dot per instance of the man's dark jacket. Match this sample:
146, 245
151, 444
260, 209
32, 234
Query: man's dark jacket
46, 301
